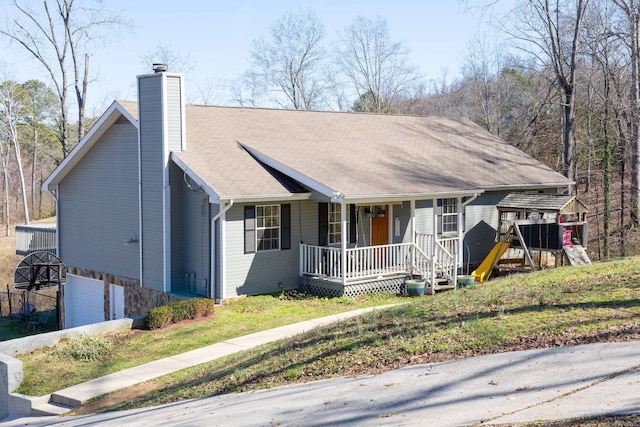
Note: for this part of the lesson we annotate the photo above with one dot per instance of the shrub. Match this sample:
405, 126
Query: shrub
174, 312
83, 348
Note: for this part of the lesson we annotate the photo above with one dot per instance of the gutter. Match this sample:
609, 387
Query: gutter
466, 202
212, 268
55, 200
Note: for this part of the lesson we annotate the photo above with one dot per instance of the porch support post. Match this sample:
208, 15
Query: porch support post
412, 204
344, 229
460, 254
412, 224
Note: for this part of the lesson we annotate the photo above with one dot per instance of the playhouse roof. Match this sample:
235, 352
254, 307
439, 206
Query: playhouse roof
542, 202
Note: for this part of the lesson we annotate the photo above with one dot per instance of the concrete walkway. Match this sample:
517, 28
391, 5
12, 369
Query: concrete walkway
62, 401
556, 383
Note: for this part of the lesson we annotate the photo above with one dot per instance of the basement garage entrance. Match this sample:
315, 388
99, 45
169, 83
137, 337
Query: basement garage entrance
83, 301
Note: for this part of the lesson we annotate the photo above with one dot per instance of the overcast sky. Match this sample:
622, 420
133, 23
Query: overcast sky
217, 36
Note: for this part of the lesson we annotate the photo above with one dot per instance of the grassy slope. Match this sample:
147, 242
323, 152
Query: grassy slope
48, 370
551, 308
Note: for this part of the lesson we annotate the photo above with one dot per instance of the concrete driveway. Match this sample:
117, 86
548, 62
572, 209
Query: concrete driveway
564, 382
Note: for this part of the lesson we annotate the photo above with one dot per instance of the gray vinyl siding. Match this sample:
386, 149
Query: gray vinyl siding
152, 160
403, 212
261, 272
190, 246
481, 222
174, 113
424, 216
98, 206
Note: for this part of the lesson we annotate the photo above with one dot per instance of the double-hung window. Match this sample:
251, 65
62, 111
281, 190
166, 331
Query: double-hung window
267, 228
335, 224
330, 231
448, 212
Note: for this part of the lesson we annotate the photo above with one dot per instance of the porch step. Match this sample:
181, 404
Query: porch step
441, 284
49, 409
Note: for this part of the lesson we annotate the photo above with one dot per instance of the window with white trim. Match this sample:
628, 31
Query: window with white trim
268, 227
449, 212
335, 224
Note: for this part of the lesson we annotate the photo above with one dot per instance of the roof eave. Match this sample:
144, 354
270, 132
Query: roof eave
213, 196
524, 187
259, 198
391, 198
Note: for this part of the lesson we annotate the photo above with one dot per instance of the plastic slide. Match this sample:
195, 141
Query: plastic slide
484, 270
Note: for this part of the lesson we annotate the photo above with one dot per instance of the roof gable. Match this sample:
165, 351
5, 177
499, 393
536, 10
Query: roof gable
115, 112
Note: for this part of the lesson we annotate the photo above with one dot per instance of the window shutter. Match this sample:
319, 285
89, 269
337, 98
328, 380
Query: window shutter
439, 217
285, 226
323, 223
249, 229
353, 230
464, 219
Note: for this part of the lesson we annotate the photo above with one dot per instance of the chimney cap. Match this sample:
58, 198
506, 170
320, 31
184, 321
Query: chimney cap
159, 67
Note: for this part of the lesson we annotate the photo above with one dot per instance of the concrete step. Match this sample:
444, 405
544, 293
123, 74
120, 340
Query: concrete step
63, 399
49, 409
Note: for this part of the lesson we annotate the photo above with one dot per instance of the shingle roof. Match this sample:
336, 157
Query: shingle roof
359, 155
542, 202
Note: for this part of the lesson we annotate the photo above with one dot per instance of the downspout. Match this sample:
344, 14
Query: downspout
466, 202
212, 280
343, 241
414, 257
55, 200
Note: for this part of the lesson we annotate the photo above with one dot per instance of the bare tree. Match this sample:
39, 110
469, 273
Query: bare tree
38, 112
631, 10
552, 27
247, 90
289, 60
10, 116
59, 34
377, 68
164, 54
4, 162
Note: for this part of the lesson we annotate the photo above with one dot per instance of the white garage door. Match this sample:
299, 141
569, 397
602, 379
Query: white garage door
83, 301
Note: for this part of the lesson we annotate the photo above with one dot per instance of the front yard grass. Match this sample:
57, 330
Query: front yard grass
566, 306
46, 371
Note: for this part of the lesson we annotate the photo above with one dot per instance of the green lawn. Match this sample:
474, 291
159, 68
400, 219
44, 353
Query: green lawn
48, 370
565, 306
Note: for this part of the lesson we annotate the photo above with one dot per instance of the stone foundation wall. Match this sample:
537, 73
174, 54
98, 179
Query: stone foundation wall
137, 300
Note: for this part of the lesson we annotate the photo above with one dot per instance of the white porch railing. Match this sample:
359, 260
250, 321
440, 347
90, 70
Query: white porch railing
428, 258
362, 263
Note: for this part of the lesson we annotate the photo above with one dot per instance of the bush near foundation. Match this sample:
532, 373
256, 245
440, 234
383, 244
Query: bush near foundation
175, 312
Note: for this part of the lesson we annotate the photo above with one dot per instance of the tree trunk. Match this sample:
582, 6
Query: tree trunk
635, 118
568, 115
23, 187
606, 166
34, 159
4, 158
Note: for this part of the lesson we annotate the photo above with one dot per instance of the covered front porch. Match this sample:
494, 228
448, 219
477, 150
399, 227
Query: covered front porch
351, 272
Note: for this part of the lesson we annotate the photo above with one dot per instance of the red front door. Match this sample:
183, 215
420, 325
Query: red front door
379, 230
